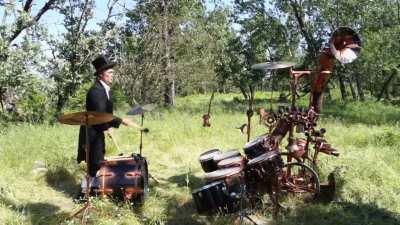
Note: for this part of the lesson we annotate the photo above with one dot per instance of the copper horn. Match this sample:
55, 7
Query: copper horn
345, 46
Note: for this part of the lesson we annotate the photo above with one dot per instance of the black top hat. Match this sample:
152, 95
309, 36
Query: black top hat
101, 63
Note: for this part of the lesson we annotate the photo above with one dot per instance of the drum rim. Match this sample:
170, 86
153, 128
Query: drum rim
254, 141
226, 155
263, 157
209, 154
230, 171
212, 184
235, 159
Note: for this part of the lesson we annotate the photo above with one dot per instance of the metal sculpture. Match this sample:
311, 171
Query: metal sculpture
236, 179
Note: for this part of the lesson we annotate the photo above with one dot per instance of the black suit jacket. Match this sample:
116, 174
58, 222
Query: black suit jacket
96, 100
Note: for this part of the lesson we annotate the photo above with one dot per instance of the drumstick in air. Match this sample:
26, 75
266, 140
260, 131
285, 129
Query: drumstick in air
113, 140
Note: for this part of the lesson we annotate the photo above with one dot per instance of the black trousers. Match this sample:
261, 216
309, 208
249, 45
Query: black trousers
97, 148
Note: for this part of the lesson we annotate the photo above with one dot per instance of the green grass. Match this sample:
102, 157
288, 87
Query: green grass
368, 169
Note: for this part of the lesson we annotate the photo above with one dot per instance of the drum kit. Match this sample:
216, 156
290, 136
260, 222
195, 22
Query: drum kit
234, 181
231, 178
122, 177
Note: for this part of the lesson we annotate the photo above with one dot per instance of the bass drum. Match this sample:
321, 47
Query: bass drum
214, 198
261, 172
140, 198
124, 178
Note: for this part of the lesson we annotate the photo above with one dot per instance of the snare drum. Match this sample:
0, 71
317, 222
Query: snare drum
123, 177
260, 171
214, 198
207, 160
255, 147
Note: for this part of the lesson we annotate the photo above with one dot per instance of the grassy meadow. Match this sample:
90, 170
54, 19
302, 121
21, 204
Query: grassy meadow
40, 176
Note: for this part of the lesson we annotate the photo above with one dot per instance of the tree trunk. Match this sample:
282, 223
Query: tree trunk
61, 101
2, 92
353, 91
169, 95
342, 87
311, 43
244, 93
386, 84
328, 93
360, 90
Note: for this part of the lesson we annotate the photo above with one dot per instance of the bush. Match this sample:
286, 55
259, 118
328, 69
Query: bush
34, 106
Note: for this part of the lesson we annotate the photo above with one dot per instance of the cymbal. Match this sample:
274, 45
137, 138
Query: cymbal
79, 118
273, 65
139, 110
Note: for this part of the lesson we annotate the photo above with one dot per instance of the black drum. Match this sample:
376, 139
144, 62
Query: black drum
233, 178
256, 147
226, 155
261, 171
207, 160
237, 161
214, 198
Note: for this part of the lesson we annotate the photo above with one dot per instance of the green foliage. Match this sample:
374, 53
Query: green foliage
34, 105
77, 102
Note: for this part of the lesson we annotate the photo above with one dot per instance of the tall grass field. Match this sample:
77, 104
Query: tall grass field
40, 178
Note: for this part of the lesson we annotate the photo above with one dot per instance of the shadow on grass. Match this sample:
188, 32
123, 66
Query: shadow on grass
39, 213
62, 180
186, 180
45, 214
343, 213
185, 213
368, 112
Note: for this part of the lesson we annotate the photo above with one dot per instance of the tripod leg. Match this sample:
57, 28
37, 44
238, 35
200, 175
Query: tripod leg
274, 195
155, 179
250, 219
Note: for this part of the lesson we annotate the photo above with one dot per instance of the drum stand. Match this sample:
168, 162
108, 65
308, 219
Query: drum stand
243, 213
88, 205
141, 146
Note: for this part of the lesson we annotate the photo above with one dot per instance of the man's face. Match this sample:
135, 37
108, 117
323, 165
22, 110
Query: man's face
107, 76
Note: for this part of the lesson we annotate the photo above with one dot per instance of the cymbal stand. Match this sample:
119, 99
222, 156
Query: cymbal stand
88, 205
243, 213
141, 146
141, 135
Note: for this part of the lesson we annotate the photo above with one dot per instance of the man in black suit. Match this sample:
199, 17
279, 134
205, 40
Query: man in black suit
99, 99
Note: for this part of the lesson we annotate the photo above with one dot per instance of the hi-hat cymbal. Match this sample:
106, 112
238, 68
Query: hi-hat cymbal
139, 110
79, 118
273, 65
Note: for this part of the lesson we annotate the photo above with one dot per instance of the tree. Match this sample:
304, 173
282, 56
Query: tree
19, 58
72, 54
170, 48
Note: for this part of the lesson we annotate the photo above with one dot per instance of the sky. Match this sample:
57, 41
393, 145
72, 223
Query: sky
53, 20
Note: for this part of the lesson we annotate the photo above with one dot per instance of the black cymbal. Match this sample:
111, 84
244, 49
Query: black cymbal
139, 110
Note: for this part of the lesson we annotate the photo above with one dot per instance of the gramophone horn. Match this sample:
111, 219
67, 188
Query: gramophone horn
345, 45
